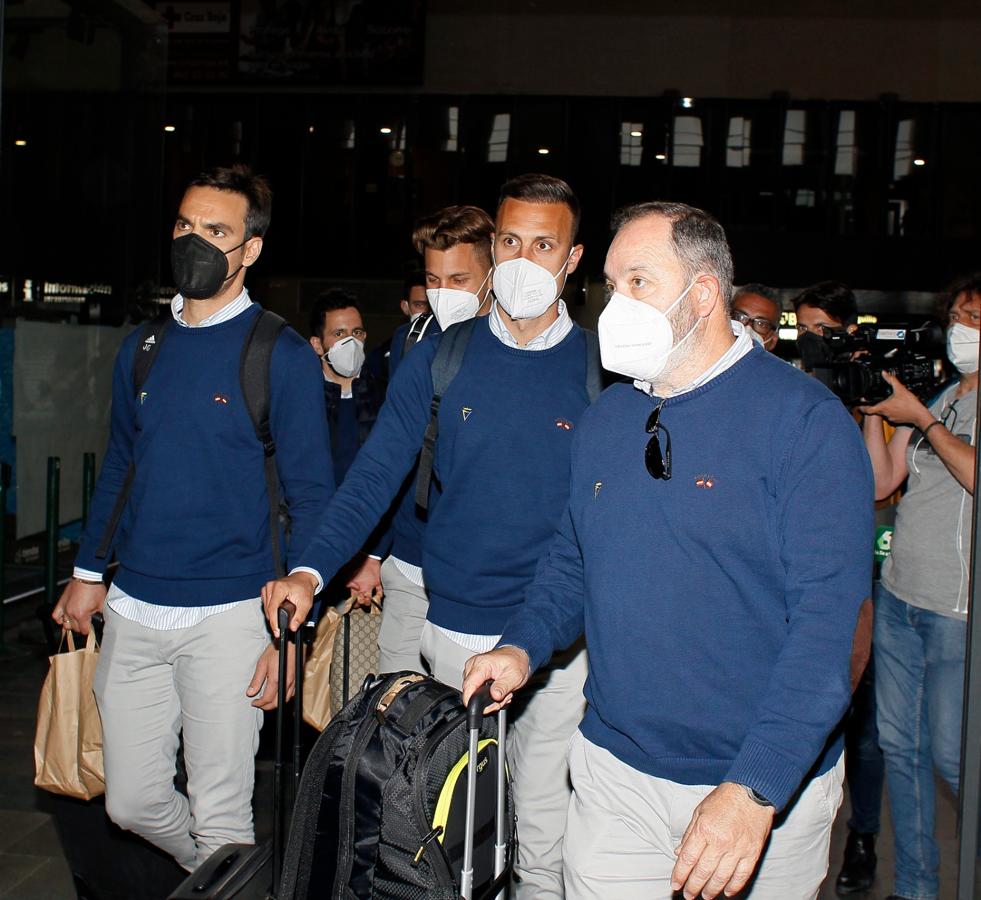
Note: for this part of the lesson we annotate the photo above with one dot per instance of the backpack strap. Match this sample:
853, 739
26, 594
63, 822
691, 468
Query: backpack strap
148, 348
254, 377
594, 370
444, 368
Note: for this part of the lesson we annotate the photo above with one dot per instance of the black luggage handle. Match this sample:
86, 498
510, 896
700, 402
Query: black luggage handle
475, 708
475, 714
284, 615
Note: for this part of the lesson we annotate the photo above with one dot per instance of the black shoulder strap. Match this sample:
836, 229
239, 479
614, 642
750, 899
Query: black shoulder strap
254, 377
594, 369
147, 349
444, 368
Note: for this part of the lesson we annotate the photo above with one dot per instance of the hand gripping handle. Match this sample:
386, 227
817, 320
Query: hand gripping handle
475, 708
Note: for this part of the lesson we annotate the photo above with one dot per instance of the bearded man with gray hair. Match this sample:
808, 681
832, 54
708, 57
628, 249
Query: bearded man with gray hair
696, 561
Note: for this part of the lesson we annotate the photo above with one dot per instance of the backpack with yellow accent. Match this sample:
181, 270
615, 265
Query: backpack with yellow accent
388, 795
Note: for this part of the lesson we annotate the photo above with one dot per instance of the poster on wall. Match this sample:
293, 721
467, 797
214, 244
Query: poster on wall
200, 40
343, 42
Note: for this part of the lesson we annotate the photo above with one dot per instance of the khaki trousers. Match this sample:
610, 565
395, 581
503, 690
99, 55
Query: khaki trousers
151, 686
624, 825
543, 718
403, 617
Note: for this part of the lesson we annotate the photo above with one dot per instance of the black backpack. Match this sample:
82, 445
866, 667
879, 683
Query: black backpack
254, 378
381, 810
444, 368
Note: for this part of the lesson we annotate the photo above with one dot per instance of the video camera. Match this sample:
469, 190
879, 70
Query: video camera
851, 364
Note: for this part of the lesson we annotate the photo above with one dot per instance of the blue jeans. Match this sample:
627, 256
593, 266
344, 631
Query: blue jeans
919, 674
864, 766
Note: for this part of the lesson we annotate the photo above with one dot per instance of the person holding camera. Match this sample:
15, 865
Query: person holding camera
921, 600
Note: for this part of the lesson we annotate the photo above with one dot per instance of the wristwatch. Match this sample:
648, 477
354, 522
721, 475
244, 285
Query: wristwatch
756, 796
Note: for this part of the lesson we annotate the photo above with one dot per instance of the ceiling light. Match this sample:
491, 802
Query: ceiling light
170, 129
687, 102
543, 151
919, 162
20, 143
385, 130
636, 133
310, 129
661, 156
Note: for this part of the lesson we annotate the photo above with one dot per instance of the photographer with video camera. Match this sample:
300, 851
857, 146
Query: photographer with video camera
921, 601
827, 327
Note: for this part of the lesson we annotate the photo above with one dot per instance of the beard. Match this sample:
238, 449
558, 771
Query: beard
685, 325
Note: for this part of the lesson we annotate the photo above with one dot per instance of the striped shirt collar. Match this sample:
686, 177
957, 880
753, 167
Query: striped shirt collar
550, 337
229, 311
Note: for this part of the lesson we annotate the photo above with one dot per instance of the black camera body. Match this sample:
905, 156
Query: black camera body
851, 364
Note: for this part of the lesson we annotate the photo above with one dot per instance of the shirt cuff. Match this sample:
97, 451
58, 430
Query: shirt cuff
86, 574
314, 573
372, 556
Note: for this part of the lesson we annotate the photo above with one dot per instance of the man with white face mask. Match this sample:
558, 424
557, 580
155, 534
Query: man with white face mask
506, 423
921, 601
694, 558
455, 244
353, 397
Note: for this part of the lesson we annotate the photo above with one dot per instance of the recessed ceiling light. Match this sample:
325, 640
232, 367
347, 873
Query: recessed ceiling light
661, 157
919, 162
636, 133
687, 102
543, 151
385, 130
170, 129
20, 143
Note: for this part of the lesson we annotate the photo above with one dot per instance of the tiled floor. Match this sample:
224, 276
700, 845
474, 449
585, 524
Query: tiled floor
33, 867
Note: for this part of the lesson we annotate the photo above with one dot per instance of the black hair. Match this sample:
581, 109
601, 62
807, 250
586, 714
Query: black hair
329, 301
832, 297
413, 279
537, 188
761, 290
240, 179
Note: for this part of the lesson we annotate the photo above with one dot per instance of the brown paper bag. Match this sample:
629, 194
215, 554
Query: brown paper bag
321, 690
68, 740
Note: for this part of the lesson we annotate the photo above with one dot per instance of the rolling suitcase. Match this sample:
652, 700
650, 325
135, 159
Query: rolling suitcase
405, 796
253, 871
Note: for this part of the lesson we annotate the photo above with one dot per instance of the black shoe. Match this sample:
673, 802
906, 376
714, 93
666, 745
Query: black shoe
858, 869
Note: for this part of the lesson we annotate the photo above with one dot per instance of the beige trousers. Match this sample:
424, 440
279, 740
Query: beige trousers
153, 685
403, 617
624, 825
544, 717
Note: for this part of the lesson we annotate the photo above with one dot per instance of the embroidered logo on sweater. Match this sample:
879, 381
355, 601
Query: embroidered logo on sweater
705, 481
221, 398
149, 342
143, 396
465, 412
596, 489
564, 424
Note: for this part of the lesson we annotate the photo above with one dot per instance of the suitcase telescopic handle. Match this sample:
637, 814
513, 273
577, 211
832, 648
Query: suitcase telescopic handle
284, 615
475, 708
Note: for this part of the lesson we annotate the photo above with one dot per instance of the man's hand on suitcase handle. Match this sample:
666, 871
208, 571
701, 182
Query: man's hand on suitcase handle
508, 667
267, 671
299, 589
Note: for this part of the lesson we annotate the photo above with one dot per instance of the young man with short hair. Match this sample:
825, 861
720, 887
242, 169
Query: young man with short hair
506, 423
185, 650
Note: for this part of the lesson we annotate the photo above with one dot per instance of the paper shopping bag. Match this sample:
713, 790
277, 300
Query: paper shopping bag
351, 635
68, 740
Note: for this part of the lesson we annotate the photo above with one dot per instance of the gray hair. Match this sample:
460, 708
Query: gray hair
699, 240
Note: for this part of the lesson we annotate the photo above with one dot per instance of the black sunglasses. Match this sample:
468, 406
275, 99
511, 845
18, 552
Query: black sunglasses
658, 463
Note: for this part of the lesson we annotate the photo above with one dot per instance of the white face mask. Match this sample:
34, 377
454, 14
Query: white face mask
346, 357
962, 348
525, 289
451, 305
636, 339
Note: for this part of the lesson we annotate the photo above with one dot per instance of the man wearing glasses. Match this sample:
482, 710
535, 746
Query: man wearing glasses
694, 557
758, 307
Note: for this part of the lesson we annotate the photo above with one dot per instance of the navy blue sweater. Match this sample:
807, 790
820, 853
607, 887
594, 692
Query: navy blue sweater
196, 528
719, 607
505, 428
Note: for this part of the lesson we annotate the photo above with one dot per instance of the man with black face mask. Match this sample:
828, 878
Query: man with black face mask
185, 649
